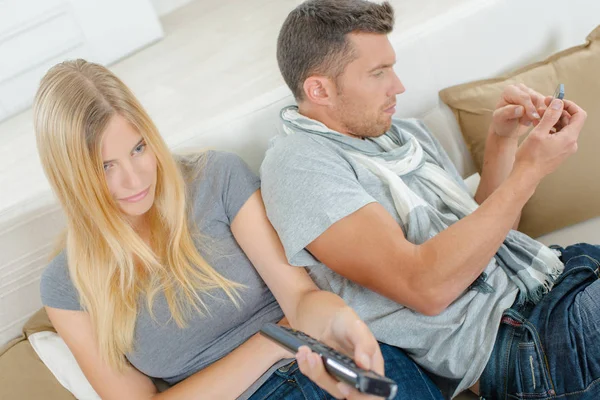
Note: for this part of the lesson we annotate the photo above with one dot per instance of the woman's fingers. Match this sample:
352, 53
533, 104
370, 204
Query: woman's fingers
311, 365
367, 353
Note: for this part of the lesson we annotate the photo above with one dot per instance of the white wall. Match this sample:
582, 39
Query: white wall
163, 7
36, 34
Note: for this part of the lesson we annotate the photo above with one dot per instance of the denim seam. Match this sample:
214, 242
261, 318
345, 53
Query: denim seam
520, 396
306, 396
507, 361
546, 372
596, 262
594, 382
424, 379
560, 396
283, 381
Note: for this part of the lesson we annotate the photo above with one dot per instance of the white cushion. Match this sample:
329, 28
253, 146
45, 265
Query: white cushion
55, 354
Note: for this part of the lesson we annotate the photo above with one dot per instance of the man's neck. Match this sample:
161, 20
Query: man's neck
323, 117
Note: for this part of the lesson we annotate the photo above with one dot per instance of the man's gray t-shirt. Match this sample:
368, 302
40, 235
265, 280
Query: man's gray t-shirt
309, 183
162, 349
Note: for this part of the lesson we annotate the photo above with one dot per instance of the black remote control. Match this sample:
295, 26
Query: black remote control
337, 364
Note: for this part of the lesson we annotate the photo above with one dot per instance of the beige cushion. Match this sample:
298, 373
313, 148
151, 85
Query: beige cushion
24, 377
572, 193
39, 322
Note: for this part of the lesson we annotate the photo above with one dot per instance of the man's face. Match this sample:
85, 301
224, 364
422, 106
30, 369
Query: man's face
366, 91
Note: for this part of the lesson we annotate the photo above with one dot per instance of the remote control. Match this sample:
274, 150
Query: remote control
337, 364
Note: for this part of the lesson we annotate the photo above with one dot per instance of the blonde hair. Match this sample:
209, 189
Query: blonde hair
109, 263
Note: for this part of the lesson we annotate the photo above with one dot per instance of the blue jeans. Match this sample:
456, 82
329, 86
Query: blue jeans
289, 383
552, 350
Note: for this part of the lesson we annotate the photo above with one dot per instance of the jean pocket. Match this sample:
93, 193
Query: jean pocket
531, 371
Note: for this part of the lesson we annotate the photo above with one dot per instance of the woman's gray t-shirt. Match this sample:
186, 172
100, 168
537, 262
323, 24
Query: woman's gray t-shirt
162, 349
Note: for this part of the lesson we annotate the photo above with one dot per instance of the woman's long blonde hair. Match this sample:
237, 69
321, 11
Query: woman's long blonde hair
109, 263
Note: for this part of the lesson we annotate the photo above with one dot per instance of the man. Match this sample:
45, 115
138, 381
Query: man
376, 210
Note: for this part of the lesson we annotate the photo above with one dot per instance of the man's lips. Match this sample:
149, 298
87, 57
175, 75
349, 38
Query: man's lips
391, 109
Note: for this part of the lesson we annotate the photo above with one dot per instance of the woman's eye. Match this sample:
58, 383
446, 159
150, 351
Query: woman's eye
140, 148
107, 167
378, 74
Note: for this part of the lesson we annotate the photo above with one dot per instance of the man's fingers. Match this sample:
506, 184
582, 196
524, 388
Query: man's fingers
573, 109
576, 119
513, 114
564, 120
536, 97
551, 116
513, 94
508, 112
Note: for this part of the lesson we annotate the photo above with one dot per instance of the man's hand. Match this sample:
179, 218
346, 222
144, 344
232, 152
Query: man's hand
518, 109
349, 335
543, 151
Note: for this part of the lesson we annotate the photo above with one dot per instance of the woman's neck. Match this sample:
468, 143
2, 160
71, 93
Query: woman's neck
141, 224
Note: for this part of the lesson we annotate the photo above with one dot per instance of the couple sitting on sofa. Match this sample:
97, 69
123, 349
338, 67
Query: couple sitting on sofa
170, 264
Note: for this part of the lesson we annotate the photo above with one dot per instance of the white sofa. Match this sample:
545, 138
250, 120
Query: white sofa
464, 40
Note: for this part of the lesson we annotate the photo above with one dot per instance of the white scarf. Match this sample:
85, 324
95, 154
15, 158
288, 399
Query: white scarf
532, 266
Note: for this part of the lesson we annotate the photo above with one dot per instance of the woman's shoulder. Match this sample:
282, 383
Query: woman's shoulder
209, 161
56, 287
211, 167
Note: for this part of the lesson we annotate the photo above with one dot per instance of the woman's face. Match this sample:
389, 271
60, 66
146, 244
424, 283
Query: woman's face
129, 167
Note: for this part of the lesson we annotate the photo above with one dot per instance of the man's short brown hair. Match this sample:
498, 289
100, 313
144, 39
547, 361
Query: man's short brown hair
313, 38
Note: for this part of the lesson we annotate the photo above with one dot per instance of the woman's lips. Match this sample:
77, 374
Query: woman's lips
136, 197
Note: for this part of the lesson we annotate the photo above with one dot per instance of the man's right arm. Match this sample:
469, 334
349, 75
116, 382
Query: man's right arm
369, 248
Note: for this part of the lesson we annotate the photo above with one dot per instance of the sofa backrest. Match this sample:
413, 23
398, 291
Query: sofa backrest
472, 39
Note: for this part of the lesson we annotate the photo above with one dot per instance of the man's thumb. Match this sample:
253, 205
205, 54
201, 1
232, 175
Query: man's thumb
552, 115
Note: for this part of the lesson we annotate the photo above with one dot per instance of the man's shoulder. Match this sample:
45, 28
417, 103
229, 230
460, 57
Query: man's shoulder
289, 150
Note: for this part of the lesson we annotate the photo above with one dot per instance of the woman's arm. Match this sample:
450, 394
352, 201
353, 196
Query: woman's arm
321, 314
225, 379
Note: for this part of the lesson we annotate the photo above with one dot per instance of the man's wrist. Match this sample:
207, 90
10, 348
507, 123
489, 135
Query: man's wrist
502, 140
524, 180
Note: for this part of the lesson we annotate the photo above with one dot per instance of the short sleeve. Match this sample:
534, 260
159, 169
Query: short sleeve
56, 288
307, 187
234, 179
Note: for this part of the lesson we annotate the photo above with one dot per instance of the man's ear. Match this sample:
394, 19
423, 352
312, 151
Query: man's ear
319, 90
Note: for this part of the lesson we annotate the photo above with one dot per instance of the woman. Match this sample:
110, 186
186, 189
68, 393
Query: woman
172, 265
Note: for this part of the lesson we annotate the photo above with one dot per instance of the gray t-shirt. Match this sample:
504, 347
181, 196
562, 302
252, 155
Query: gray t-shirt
310, 182
162, 349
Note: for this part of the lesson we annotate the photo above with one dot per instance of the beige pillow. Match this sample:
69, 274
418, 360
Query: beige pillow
572, 193
39, 322
23, 376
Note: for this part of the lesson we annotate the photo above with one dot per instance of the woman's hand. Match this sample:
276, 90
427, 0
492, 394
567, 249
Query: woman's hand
351, 336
